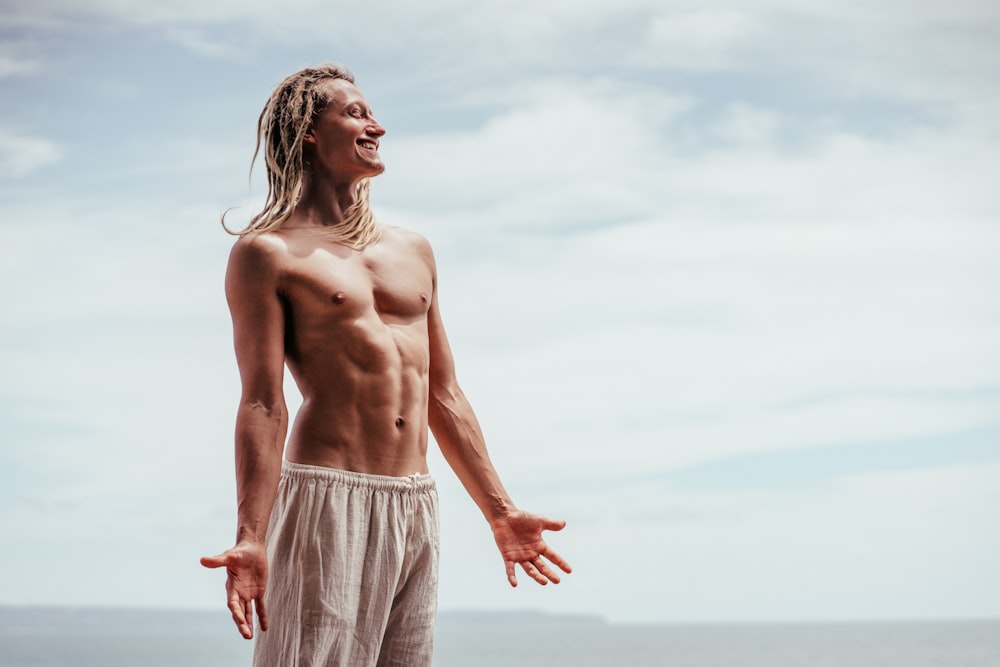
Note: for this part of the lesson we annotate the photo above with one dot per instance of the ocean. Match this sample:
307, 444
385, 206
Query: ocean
54, 637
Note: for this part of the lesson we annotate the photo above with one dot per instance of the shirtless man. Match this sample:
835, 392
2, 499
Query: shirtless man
337, 545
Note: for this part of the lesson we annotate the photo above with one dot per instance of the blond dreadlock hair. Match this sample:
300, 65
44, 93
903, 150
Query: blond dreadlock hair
289, 113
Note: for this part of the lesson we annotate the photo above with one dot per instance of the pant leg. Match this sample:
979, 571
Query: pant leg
314, 562
409, 634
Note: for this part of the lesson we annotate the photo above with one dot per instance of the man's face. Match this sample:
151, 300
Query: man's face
345, 136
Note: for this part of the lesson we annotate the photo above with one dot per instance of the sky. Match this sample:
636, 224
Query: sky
721, 281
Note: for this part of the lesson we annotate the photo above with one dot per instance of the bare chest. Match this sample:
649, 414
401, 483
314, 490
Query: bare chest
331, 286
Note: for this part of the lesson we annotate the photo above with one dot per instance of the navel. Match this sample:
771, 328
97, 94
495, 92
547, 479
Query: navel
400, 422
338, 298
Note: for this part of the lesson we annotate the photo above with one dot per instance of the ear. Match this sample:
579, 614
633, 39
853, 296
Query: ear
309, 137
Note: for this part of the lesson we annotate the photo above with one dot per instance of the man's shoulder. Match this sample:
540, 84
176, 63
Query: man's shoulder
260, 242
259, 245
258, 252
406, 238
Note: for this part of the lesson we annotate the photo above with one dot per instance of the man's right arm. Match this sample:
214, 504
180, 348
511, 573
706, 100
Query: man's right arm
261, 421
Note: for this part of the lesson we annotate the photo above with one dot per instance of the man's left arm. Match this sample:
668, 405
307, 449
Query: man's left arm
518, 534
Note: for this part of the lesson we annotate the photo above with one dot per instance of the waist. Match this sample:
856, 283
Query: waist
416, 482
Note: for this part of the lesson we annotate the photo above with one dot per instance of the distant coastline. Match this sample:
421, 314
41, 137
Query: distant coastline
80, 617
534, 617
24, 619
122, 637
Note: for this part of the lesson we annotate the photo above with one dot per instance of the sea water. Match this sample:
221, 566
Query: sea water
51, 637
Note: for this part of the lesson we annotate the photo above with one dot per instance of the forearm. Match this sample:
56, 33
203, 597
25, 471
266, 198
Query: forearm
460, 438
260, 438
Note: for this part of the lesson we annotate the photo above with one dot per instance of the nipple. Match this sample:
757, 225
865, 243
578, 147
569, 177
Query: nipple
338, 298
400, 422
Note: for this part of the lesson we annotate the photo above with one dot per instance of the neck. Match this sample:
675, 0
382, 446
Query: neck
325, 202
331, 210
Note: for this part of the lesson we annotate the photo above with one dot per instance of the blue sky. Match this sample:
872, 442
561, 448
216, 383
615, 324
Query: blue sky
720, 279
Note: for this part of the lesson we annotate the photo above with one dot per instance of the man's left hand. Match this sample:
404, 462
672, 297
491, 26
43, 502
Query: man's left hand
519, 538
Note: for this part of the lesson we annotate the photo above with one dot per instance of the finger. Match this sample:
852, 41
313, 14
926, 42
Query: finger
239, 617
546, 571
533, 572
558, 561
248, 612
511, 577
261, 612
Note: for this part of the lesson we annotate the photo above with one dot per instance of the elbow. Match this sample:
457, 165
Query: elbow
443, 395
445, 411
273, 409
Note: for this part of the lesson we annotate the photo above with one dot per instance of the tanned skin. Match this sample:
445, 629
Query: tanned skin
361, 333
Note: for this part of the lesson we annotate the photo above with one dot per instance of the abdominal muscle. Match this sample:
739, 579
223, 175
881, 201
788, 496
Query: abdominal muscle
364, 406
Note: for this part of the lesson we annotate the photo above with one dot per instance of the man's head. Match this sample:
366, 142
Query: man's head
342, 140
285, 129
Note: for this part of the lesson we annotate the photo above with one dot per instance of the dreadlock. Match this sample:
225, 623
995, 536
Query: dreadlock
289, 113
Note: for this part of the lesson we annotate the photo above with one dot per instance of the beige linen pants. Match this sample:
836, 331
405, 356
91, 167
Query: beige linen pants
353, 570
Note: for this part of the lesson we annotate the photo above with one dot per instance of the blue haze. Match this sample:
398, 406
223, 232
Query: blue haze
57, 637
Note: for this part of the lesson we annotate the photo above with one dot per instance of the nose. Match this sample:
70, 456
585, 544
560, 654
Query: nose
374, 127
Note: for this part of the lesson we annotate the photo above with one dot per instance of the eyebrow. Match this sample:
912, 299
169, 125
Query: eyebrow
360, 104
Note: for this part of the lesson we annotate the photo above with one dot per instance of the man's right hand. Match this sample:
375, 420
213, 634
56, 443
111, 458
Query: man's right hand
246, 568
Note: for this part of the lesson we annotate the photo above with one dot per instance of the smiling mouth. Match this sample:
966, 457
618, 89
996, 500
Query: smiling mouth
370, 145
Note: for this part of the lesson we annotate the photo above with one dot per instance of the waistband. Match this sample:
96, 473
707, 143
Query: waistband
417, 482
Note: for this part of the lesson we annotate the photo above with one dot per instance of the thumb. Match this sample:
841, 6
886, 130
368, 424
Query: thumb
554, 525
222, 560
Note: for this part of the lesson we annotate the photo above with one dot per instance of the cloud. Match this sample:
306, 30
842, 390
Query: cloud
743, 124
11, 66
573, 151
682, 280
916, 48
20, 155
549, 146
704, 39
870, 546
781, 236
202, 43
